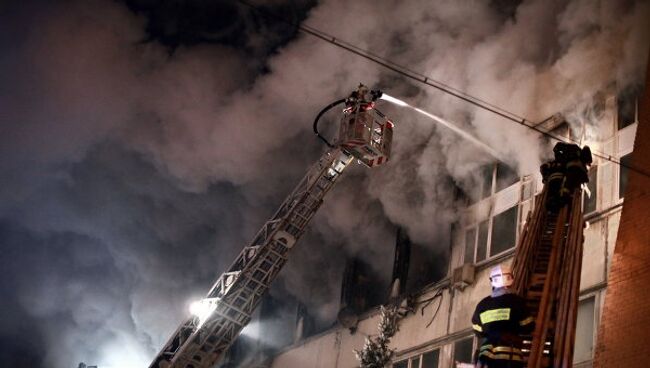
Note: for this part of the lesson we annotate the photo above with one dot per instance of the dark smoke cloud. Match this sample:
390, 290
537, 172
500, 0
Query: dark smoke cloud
133, 173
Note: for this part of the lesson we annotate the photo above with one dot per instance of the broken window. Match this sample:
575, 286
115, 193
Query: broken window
506, 176
626, 161
584, 341
401, 261
486, 180
589, 201
493, 177
423, 267
463, 350
504, 231
482, 188
626, 103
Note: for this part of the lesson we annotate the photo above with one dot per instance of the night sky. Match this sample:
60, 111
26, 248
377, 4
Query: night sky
142, 144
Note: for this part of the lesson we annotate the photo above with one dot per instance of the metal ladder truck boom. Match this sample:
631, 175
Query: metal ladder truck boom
200, 340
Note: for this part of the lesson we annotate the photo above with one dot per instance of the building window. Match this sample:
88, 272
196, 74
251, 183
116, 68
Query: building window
402, 364
481, 244
493, 178
627, 106
486, 181
476, 243
505, 176
584, 341
590, 201
463, 350
429, 359
415, 362
527, 189
504, 231
626, 161
470, 243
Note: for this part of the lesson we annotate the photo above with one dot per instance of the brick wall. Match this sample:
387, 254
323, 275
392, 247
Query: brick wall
624, 333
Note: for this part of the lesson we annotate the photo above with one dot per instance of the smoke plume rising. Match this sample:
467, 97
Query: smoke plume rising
132, 174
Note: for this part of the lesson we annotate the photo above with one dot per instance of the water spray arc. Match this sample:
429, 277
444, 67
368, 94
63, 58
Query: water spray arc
445, 123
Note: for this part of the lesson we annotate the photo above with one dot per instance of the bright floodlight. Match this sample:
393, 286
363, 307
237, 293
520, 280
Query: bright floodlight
203, 308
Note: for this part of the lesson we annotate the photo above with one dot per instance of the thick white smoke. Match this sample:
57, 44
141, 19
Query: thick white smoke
132, 175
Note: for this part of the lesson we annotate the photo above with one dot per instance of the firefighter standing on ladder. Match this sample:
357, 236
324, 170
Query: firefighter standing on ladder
566, 173
500, 320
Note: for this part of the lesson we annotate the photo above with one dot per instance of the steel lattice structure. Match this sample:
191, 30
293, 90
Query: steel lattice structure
238, 291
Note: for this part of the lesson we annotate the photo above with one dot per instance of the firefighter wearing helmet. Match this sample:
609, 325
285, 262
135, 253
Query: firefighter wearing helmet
500, 320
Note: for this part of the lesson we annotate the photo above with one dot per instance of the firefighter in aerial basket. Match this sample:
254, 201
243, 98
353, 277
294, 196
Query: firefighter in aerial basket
500, 320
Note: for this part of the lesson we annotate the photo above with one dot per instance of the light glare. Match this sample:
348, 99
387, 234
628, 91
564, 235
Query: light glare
203, 309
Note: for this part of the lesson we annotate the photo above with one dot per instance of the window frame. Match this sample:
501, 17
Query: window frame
409, 359
453, 348
622, 171
595, 323
635, 118
494, 181
596, 170
475, 227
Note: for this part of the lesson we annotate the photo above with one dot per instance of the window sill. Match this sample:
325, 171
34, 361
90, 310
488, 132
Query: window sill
495, 259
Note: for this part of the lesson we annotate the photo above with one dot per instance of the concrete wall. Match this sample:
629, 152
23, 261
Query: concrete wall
334, 349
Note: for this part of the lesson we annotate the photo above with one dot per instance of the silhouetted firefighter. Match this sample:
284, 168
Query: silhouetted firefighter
566, 173
500, 320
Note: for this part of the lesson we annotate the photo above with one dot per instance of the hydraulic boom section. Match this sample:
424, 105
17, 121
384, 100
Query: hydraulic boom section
218, 319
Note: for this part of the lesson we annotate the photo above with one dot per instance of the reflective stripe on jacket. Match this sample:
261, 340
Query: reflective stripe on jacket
500, 321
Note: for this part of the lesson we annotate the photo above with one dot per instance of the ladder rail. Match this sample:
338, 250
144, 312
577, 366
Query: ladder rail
567, 319
547, 301
547, 267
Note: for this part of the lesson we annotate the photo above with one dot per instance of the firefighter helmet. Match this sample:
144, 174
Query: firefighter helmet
501, 276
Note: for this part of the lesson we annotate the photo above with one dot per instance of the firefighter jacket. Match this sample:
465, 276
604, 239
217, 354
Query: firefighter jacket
500, 321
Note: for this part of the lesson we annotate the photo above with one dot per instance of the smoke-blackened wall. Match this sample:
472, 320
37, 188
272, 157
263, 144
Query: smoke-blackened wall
132, 172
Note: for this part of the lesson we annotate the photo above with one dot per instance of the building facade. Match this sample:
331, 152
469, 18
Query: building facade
437, 333
623, 332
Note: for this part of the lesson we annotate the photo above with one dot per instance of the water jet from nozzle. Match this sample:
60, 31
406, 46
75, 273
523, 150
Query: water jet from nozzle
445, 123
394, 100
